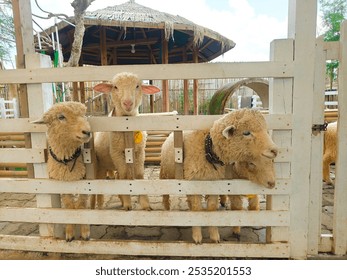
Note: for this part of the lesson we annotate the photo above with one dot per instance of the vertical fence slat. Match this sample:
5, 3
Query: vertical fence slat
340, 196
280, 102
302, 27
317, 151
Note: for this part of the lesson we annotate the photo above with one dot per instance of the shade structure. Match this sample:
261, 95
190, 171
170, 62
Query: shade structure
134, 34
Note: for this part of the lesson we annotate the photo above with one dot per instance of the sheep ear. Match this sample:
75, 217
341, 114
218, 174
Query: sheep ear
39, 121
149, 89
228, 131
103, 87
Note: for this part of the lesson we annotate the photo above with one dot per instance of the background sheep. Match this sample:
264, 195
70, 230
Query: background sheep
126, 91
330, 151
68, 129
238, 136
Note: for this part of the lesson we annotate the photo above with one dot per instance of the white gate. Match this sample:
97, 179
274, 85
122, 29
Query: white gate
292, 214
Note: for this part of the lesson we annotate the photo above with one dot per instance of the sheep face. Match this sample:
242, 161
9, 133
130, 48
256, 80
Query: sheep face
126, 91
67, 125
260, 171
242, 136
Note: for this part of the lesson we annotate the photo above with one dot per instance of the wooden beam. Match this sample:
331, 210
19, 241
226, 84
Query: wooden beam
165, 83
103, 47
196, 84
24, 45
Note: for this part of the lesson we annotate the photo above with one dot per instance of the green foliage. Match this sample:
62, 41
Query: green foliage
7, 35
334, 12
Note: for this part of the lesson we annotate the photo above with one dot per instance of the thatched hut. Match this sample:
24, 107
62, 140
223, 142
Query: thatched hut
134, 34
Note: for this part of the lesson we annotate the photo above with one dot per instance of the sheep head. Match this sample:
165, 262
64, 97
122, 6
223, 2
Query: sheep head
126, 91
242, 135
68, 127
260, 171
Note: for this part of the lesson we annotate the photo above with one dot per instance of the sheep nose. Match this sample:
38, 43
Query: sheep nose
274, 151
86, 132
128, 103
271, 184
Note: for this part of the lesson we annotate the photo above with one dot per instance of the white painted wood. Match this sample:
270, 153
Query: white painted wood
21, 125
145, 218
340, 196
149, 248
280, 102
317, 139
165, 123
152, 72
303, 30
40, 99
332, 50
22, 155
137, 187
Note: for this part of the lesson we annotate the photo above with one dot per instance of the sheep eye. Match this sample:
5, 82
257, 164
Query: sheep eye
251, 166
61, 117
246, 133
115, 87
137, 87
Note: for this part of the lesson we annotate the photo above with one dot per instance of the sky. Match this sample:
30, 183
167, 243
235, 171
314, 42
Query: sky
251, 24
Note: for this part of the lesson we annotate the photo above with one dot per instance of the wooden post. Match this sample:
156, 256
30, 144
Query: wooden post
82, 93
24, 45
186, 97
315, 209
340, 197
185, 89
178, 146
165, 83
302, 27
103, 48
280, 102
196, 84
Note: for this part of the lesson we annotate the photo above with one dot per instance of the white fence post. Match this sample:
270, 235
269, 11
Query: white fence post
2, 108
315, 209
280, 102
340, 196
302, 27
40, 98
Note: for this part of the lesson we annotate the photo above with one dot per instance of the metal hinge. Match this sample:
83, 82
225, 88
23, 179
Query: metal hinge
317, 128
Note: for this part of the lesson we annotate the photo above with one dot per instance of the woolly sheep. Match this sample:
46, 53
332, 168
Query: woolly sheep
260, 171
238, 136
330, 151
68, 129
126, 92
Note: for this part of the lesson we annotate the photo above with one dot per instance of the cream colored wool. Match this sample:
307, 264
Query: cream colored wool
330, 151
126, 90
68, 129
238, 136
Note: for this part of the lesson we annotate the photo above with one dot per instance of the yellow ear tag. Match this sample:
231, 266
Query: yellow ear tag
138, 137
251, 196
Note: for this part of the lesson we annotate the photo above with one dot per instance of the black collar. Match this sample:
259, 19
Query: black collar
211, 157
65, 161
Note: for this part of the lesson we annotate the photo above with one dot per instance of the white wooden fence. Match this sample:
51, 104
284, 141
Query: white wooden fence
292, 214
9, 108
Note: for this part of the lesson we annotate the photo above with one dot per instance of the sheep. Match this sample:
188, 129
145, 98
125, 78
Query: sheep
126, 91
330, 151
260, 171
68, 129
240, 135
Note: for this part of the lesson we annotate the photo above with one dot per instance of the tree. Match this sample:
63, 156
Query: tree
7, 35
80, 7
334, 12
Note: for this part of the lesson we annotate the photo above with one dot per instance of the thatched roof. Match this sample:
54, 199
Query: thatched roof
131, 23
